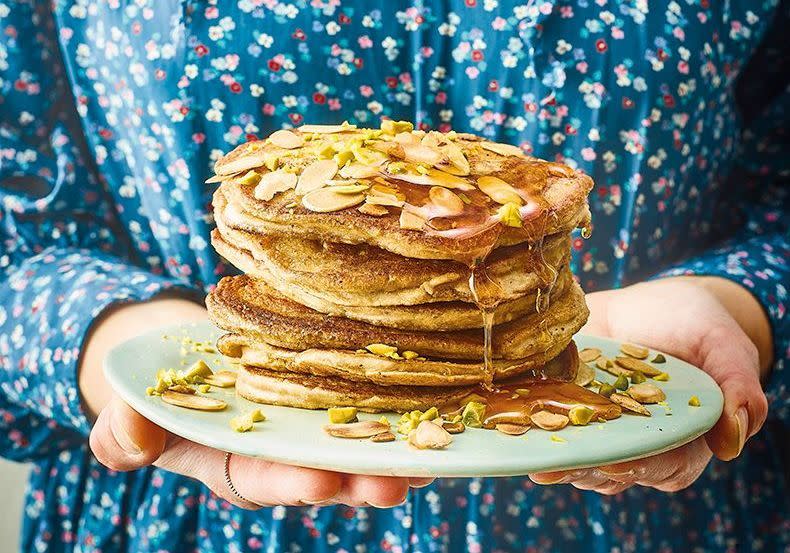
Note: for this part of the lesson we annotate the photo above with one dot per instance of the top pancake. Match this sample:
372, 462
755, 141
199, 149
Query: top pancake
348, 190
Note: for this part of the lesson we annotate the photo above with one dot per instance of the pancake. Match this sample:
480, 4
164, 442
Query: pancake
441, 198
360, 367
439, 316
380, 277
318, 392
248, 306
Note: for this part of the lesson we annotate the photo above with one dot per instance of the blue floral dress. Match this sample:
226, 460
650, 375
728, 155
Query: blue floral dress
112, 113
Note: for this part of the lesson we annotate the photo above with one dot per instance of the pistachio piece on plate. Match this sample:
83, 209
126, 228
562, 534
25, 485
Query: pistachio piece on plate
512, 429
429, 435
647, 393
498, 190
639, 352
361, 429
630, 404
327, 200
286, 139
549, 421
315, 175
580, 415
342, 415
473, 414
200, 403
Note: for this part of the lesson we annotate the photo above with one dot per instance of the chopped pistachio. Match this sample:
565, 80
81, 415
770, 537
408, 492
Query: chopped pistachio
661, 377
198, 371
473, 414
342, 415
251, 178
621, 383
606, 389
410, 354
343, 157
241, 423
509, 215
580, 415
659, 358
694, 401
555, 438
327, 152
150, 390
270, 161
637, 377
430, 414
384, 420
456, 419
204, 388
521, 391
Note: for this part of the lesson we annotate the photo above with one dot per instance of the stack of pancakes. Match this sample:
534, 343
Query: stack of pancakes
357, 247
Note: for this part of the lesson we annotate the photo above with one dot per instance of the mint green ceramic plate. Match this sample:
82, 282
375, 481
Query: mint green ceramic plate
295, 436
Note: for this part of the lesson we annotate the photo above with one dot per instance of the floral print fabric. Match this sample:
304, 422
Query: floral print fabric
112, 113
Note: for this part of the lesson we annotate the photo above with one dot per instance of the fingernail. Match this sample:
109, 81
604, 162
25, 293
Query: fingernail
621, 474
123, 438
742, 422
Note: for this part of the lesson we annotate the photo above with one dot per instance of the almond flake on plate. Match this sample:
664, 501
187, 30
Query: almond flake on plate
315, 175
326, 200
286, 139
273, 183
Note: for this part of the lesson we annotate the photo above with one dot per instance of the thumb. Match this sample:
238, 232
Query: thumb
731, 358
122, 439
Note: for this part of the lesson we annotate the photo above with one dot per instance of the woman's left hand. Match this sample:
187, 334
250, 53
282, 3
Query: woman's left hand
712, 323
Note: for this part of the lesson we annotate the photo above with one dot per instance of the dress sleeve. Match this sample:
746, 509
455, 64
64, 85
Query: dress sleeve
64, 257
758, 257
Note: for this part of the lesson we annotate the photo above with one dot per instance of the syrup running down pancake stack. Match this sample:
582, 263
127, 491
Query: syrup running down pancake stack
394, 269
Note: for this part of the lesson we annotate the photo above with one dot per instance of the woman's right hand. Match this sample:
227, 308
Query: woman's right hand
123, 440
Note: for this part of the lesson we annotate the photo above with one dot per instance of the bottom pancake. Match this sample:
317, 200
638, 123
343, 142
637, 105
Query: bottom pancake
307, 391
377, 369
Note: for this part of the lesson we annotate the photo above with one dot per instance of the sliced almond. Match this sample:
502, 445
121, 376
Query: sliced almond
446, 200
383, 437
646, 393
433, 177
588, 355
407, 138
417, 153
608, 365
315, 175
549, 421
220, 178
362, 429
429, 435
326, 129
411, 221
502, 149
356, 170
200, 403
327, 200
248, 156
512, 429
631, 364
273, 183
392, 149
629, 404
459, 165
585, 374
635, 351
286, 139
373, 209
498, 190
221, 379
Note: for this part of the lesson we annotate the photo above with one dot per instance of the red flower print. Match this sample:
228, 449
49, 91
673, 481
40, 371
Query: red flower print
343, 19
628, 103
295, 118
493, 85
477, 55
358, 63
298, 34
471, 3
235, 87
669, 100
392, 82
274, 66
201, 50
319, 98
600, 45
441, 97
250, 137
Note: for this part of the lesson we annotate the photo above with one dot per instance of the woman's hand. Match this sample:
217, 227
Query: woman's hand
712, 323
123, 440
